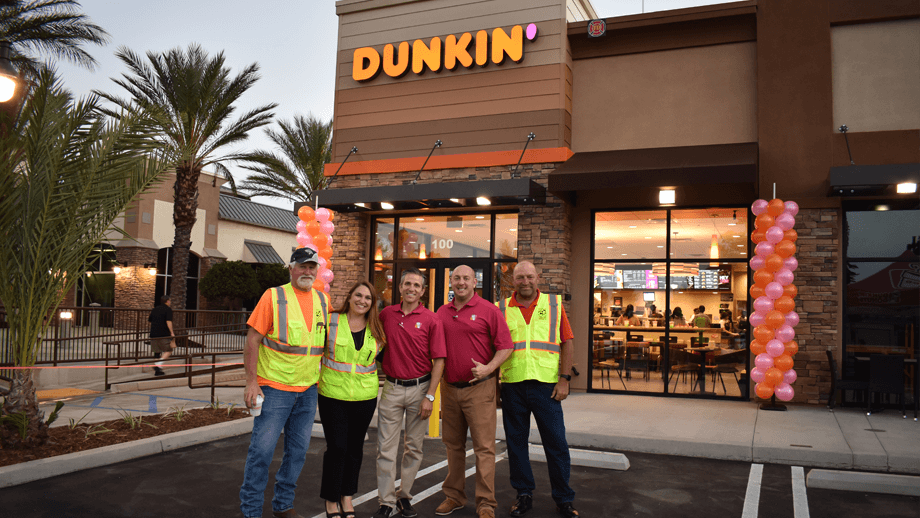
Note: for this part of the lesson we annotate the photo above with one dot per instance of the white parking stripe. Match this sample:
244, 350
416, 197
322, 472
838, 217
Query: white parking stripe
437, 487
799, 497
752, 497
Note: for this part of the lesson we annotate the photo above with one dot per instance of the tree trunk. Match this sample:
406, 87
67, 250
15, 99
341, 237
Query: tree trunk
184, 216
22, 399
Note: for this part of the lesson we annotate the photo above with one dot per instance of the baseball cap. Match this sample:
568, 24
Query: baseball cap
304, 255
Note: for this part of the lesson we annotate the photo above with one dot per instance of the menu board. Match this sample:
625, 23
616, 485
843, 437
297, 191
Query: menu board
706, 280
627, 279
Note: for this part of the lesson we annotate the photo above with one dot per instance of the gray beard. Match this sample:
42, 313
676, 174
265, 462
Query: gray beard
304, 282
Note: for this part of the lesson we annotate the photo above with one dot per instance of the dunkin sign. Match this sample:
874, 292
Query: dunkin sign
447, 54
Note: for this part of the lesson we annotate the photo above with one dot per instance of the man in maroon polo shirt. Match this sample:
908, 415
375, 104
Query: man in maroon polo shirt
478, 342
413, 361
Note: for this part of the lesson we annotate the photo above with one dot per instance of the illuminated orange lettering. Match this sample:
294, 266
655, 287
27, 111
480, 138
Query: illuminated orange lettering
482, 48
396, 68
366, 64
457, 50
504, 45
426, 55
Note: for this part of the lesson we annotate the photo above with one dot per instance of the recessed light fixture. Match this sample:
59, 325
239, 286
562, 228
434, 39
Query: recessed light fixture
419, 219
667, 197
648, 237
632, 226
386, 206
660, 246
480, 217
907, 188
609, 247
455, 200
736, 236
458, 230
882, 207
740, 246
482, 200
622, 254
512, 230
360, 205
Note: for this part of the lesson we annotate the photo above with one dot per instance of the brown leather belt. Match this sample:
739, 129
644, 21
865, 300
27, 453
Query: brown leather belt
409, 383
465, 384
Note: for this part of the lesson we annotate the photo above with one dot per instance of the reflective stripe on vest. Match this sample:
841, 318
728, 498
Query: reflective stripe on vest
534, 359
329, 358
542, 346
290, 354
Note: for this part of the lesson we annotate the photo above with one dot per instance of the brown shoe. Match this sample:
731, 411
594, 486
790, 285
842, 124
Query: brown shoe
486, 512
448, 506
290, 513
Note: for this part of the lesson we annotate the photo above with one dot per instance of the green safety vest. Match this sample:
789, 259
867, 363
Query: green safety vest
348, 374
291, 353
536, 345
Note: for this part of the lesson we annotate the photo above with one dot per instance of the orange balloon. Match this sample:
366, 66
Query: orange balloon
764, 221
792, 347
313, 228
774, 262
773, 376
763, 277
785, 249
331, 214
783, 362
790, 290
758, 347
784, 304
776, 207
306, 214
790, 235
763, 391
318, 285
763, 333
758, 235
325, 253
775, 319
321, 240
757, 291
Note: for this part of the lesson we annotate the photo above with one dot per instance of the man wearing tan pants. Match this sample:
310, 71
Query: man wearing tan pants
413, 361
478, 342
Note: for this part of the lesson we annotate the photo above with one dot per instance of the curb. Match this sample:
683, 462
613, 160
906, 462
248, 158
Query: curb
62, 464
864, 482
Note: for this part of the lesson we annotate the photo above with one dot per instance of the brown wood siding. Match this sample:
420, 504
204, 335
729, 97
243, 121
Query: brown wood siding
461, 135
843, 12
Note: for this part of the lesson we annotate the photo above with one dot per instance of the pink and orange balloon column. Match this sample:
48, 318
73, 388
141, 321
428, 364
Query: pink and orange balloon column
774, 317
314, 230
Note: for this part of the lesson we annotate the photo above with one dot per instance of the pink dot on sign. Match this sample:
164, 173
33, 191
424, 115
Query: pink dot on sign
531, 31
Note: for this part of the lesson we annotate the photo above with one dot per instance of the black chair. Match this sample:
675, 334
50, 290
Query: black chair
636, 357
841, 384
732, 363
886, 375
683, 362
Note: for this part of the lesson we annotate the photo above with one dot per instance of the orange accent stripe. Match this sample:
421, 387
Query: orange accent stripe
280, 386
484, 159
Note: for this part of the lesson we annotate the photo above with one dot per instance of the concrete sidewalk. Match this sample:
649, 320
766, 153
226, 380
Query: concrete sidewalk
730, 430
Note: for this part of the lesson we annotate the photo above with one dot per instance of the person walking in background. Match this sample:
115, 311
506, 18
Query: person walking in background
348, 394
162, 336
535, 380
413, 362
478, 342
284, 346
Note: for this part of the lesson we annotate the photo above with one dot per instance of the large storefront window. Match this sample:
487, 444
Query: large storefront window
670, 287
438, 243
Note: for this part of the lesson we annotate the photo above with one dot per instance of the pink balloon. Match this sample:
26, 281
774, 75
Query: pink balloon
757, 318
784, 277
775, 348
311, 246
791, 263
774, 290
325, 288
785, 221
301, 226
784, 392
790, 376
792, 207
763, 304
764, 361
329, 241
323, 263
322, 215
759, 207
764, 248
757, 262
785, 333
774, 234
792, 319
304, 239
326, 227
757, 374
327, 276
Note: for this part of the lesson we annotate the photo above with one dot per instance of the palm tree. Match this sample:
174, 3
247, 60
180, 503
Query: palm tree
53, 27
188, 98
67, 173
306, 146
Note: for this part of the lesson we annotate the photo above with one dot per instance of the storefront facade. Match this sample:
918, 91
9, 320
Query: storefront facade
484, 133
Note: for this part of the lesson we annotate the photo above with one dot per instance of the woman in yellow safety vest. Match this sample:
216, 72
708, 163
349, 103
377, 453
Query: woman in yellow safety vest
348, 394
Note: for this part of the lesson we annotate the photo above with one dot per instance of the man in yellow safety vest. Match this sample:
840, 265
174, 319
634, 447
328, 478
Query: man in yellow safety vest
534, 383
284, 346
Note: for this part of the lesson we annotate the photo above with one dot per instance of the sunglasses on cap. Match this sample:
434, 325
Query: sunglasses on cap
304, 255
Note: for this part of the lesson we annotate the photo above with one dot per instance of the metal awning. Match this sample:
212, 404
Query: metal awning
871, 180
516, 191
263, 252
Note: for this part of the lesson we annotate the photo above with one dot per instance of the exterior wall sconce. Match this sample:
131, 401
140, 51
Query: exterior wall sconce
8, 75
482, 201
667, 196
386, 206
151, 268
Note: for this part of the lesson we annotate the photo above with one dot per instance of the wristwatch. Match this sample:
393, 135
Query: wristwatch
429, 397
567, 377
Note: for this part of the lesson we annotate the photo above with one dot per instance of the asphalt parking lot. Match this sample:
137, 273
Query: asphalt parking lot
203, 481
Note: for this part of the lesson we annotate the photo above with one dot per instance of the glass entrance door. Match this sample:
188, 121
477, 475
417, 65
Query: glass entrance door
437, 276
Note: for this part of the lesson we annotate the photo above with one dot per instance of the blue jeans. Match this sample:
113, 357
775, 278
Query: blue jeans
519, 400
293, 412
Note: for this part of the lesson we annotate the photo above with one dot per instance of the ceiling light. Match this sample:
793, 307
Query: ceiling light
736, 236
907, 188
458, 230
622, 254
482, 200
455, 200
648, 237
740, 246
632, 226
660, 246
609, 247
360, 205
512, 230
667, 197
386, 206
480, 217
882, 207
419, 219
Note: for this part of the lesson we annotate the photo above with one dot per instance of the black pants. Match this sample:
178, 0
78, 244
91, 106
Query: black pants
345, 424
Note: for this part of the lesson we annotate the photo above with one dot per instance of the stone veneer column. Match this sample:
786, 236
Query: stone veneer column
818, 301
134, 287
349, 261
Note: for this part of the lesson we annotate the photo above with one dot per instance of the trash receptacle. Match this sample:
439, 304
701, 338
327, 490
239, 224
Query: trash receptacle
94, 317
